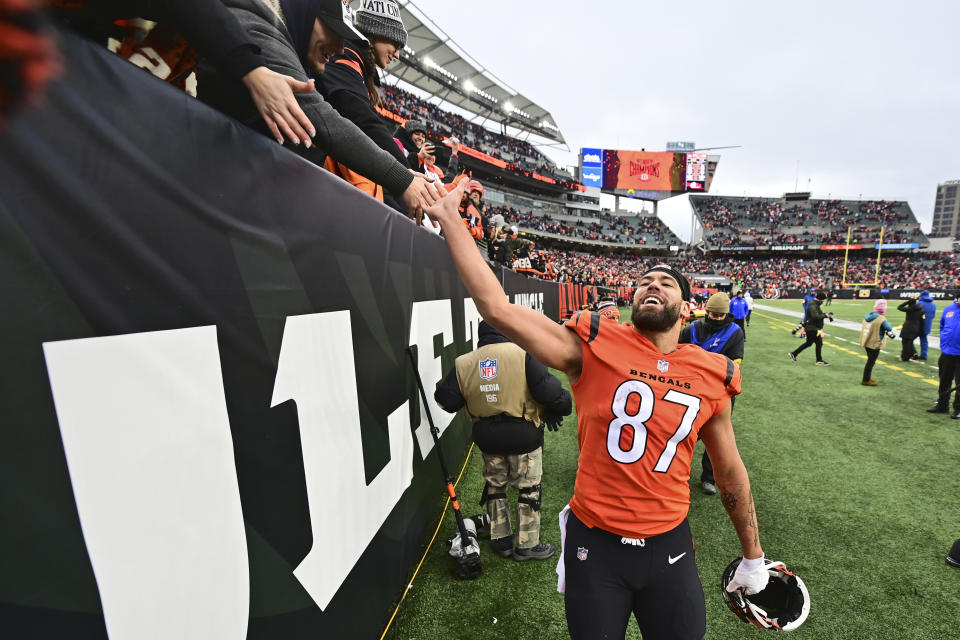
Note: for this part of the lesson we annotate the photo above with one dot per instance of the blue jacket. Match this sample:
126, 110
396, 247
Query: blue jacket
806, 301
950, 330
739, 308
873, 315
929, 312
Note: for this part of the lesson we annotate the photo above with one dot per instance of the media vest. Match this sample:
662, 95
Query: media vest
493, 381
871, 333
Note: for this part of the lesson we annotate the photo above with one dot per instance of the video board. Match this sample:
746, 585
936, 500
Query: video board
654, 174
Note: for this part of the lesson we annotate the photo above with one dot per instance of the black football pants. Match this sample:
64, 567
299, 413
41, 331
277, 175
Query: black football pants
813, 338
607, 580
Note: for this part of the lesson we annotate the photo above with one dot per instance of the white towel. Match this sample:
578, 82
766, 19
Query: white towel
561, 572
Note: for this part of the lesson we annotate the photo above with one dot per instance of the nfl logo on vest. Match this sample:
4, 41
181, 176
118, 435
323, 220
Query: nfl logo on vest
488, 369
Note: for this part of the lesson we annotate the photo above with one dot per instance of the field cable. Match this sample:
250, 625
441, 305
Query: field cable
409, 586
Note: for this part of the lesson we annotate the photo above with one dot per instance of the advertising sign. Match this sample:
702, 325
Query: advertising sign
212, 427
681, 147
591, 163
897, 245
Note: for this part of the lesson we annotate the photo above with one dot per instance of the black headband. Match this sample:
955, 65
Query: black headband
676, 275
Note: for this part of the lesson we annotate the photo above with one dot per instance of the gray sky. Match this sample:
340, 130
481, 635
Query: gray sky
863, 95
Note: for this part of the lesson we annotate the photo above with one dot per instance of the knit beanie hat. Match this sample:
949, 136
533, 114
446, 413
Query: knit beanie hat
380, 19
412, 126
880, 306
718, 303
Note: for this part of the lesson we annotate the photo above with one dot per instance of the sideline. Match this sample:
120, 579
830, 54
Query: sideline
857, 351
429, 545
933, 342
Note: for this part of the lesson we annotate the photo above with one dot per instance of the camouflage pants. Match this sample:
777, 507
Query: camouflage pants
523, 472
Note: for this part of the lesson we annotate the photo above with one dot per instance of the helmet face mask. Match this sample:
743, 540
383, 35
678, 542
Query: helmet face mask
782, 606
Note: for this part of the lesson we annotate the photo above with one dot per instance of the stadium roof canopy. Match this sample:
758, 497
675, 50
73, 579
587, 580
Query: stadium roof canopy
434, 63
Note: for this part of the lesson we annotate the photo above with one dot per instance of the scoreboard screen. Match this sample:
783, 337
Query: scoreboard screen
696, 172
655, 173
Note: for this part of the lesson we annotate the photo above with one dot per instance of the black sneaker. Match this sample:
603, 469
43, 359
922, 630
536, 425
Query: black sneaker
823, 363
792, 356
794, 332
956, 414
953, 558
503, 546
937, 409
542, 551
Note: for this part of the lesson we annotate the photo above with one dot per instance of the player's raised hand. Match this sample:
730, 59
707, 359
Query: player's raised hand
447, 207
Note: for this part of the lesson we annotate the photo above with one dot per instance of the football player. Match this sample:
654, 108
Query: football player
642, 402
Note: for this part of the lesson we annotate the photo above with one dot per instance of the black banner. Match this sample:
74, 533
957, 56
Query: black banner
542, 295
210, 427
869, 293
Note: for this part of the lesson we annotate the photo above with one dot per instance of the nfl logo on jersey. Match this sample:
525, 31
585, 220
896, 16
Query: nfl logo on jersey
662, 366
488, 369
582, 553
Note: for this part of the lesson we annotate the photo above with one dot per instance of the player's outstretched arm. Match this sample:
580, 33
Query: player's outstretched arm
733, 481
539, 336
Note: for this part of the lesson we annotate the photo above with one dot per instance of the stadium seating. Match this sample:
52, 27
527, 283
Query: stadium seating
442, 122
620, 229
774, 221
899, 271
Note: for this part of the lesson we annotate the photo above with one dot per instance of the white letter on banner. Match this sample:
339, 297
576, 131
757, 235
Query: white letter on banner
316, 370
146, 434
471, 320
428, 319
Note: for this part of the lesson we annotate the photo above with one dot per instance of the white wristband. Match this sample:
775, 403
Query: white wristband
750, 564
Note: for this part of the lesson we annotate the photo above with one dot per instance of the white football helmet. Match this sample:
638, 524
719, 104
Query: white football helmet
782, 606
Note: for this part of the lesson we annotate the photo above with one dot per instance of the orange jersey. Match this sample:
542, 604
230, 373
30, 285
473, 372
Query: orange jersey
639, 414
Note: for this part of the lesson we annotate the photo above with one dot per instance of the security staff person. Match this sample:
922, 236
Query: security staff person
510, 396
718, 333
739, 311
807, 299
949, 362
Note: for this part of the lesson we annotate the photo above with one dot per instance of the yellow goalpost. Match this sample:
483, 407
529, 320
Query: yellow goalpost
846, 257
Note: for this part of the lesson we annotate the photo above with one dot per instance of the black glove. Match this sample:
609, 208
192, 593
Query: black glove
830, 317
891, 334
552, 421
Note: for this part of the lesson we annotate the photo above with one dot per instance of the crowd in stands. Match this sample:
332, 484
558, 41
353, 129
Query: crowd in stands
761, 221
235, 51
639, 230
898, 271
305, 92
409, 106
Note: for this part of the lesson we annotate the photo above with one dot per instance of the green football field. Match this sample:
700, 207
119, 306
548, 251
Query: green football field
856, 489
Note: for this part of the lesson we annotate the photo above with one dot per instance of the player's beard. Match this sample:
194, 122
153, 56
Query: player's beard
658, 318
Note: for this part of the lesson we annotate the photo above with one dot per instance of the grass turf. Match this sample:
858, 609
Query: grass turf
856, 489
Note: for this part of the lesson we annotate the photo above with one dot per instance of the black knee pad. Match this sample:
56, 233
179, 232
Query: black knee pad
531, 496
